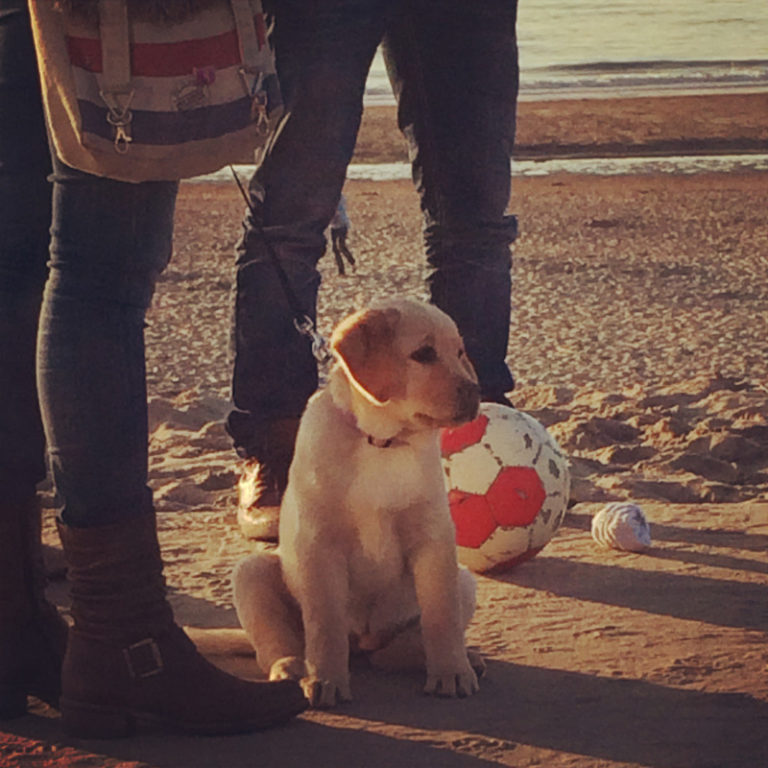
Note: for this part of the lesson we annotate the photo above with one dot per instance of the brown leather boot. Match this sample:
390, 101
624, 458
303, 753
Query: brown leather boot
32, 634
263, 480
128, 661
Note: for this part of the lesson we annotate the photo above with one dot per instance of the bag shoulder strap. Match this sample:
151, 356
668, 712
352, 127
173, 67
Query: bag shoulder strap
116, 90
250, 46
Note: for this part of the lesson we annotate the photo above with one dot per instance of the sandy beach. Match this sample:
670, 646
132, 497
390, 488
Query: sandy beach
646, 125
639, 337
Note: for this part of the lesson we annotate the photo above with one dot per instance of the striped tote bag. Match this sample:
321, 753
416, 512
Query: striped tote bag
138, 101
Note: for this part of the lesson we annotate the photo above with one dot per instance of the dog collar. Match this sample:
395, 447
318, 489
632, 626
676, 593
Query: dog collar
376, 442
379, 443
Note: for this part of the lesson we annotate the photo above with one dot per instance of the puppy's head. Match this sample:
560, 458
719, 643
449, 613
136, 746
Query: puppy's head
407, 357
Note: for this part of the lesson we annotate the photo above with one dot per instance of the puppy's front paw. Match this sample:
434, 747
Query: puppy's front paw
460, 683
288, 668
325, 693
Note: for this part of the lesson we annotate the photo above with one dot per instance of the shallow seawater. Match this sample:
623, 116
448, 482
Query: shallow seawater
596, 166
609, 48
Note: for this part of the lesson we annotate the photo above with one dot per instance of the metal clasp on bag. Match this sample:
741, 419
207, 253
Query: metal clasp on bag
254, 85
119, 116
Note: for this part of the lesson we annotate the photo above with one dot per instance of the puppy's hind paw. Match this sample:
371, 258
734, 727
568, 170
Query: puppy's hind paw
460, 684
325, 693
288, 668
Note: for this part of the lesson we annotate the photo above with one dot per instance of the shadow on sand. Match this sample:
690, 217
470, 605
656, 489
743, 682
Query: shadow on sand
390, 724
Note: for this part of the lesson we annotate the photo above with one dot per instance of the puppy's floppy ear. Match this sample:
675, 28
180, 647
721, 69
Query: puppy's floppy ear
364, 346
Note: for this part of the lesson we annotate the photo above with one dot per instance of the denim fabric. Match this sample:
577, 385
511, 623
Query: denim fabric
109, 241
25, 215
323, 55
453, 66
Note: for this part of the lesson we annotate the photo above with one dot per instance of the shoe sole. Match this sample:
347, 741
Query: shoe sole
90, 721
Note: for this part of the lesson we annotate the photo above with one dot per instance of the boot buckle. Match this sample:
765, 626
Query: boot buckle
143, 659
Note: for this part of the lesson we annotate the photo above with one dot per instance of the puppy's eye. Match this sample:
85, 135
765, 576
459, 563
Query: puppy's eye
425, 355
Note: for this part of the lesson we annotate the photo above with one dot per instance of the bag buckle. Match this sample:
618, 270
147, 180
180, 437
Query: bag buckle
143, 659
253, 80
119, 116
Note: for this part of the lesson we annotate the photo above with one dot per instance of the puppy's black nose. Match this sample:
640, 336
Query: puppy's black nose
467, 401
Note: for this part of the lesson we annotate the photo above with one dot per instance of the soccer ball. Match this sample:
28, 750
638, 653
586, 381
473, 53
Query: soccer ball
508, 484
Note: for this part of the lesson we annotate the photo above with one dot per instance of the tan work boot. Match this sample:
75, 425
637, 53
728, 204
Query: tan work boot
263, 480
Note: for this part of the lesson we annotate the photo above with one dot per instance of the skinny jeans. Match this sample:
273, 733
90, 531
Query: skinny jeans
79, 259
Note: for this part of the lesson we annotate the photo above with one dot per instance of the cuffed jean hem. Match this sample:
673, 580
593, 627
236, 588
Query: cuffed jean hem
275, 372
471, 281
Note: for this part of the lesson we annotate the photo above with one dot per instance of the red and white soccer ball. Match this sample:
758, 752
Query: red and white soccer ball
508, 484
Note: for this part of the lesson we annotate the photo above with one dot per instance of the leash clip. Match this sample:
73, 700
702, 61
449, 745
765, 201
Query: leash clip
306, 327
301, 321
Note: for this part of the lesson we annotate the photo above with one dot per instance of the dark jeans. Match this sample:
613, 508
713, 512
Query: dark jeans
109, 241
25, 216
453, 66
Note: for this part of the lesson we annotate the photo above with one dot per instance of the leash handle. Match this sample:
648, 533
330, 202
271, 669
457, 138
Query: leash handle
301, 320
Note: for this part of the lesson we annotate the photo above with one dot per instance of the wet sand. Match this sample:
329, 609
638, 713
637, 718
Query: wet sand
643, 125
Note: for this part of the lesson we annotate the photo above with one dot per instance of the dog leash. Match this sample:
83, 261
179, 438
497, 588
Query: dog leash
301, 320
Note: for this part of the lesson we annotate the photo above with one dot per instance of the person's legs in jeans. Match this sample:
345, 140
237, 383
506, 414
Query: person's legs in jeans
32, 636
126, 658
453, 66
110, 242
323, 53
25, 216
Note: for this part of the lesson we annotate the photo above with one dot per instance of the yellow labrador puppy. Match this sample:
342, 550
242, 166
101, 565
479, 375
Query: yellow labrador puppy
367, 556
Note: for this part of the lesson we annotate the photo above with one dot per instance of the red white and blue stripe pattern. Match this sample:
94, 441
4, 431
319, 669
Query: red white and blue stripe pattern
172, 102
